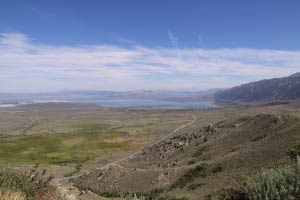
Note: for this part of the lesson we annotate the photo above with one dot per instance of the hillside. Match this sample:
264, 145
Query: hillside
276, 89
168, 154
202, 158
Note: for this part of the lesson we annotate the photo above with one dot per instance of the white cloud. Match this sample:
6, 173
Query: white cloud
26, 66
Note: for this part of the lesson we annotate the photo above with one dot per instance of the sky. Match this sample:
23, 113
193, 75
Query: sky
58, 45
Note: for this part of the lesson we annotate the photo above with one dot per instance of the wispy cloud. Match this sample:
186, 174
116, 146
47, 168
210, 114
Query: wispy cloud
173, 39
27, 66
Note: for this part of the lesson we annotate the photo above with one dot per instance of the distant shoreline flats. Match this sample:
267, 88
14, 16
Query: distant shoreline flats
13, 104
49, 101
7, 105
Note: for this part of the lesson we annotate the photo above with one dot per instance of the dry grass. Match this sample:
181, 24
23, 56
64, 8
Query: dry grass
8, 195
21, 184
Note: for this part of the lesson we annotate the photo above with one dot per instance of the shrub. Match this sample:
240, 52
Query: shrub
28, 184
152, 195
294, 152
232, 193
194, 186
140, 197
189, 176
274, 183
191, 162
217, 168
257, 138
109, 194
200, 151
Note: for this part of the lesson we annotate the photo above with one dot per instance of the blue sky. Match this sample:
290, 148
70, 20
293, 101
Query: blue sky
138, 44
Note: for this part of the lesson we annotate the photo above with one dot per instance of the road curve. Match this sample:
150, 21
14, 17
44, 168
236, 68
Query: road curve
133, 154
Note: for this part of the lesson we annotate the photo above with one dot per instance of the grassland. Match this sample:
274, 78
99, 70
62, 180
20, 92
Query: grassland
84, 143
79, 134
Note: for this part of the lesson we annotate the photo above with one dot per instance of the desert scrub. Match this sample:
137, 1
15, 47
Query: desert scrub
195, 186
294, 152
25, 183
141, 197
152, 195
200, 151
217, 168
8, 195
274, 183
191, 162
190, 175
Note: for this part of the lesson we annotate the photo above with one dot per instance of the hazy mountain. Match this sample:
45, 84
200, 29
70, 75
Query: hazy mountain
287, 88
15, 98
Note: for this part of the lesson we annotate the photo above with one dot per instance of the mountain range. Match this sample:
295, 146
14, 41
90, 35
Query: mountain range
276, 89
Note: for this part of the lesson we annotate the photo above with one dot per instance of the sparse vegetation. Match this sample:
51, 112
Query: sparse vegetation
152, 195
194, 186
191, 162
8, 195
108, 194
274, 183
257, 138
141, 197
294, 152
277, 182
21, 185
217, 168
190, 175
200, 151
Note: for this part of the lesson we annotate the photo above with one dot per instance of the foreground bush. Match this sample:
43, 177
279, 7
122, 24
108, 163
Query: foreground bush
280, 183
22, 184
275, 183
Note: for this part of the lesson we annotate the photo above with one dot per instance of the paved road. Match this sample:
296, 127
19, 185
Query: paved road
133, 154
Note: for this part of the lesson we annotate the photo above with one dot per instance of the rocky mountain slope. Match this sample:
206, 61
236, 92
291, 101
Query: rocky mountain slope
277, 89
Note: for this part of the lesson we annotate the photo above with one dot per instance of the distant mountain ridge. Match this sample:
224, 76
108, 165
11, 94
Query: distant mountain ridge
276, 89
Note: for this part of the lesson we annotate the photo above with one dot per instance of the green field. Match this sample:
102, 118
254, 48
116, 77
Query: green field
84, 143
68, 134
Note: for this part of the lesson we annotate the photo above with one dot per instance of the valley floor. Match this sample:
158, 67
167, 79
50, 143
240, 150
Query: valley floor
178, 153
